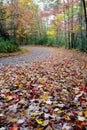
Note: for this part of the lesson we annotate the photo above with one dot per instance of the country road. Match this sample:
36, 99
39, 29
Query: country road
37, 52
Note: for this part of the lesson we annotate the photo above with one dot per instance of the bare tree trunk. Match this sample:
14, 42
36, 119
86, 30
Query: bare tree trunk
14, 6
65, 27
65, 32
84, 6
69, 41
57, 36
72, 34
69, 45
80, 21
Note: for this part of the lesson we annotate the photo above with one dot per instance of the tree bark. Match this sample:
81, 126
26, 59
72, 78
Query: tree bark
65, 27
14, 4
69, 35
84, 6
80, 22
72, 34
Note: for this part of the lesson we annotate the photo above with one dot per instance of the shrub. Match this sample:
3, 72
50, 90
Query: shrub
51, 41
43, 40
8, 46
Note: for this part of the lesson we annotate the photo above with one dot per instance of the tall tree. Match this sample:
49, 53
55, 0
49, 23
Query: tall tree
14, 14
3, 17
85, 9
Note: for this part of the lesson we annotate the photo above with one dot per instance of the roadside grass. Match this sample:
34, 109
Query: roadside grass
22, 51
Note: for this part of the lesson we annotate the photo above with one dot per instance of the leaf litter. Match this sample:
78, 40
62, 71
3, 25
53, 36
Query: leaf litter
51, 94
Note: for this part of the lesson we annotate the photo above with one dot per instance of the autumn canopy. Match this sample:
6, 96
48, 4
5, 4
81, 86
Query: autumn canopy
52, 23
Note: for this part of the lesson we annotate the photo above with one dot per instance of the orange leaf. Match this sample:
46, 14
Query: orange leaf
14, 127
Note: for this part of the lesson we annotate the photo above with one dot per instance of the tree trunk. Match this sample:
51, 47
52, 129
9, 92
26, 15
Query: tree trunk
65, 30
14, 4
65, 27
57, 36
84, 6
80, 21
72, 34
69, 39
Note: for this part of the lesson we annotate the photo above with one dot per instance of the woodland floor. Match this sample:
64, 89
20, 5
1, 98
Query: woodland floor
44, 90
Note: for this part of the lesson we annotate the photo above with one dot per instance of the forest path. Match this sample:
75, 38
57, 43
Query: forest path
35, 52
49, 93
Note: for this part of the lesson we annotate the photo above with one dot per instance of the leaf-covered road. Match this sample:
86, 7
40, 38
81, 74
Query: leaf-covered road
49, 94
37, 52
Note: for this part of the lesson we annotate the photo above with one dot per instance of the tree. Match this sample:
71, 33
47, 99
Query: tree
85, 13
14, 19
3, 17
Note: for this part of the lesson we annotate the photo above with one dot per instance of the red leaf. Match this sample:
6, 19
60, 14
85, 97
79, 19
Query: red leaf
14, 127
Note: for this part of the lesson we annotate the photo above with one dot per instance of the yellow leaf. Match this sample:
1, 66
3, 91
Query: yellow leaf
34, 114
40, 80
39, 121
24, 91
20, 86
24, 1
22, 101
59, 17
45, 96
12, 120
16, 83
60, 111
51, 33
85, 113
7, 90
55, 105
28, 110
9, 97
66, 117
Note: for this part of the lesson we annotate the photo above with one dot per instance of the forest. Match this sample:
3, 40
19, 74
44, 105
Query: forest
43, 22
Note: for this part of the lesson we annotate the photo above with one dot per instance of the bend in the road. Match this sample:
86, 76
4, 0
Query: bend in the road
37, 52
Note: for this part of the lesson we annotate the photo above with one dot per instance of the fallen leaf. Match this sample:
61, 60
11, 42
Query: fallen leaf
12, 120
20, 121
81, 118
85, 112
39, 121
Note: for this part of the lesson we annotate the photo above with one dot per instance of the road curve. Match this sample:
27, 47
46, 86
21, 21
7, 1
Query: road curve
37, 52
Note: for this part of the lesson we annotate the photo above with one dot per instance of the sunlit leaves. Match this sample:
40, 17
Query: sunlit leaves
51, 33
59, 17
24, 1
22, 14
68, 18
77, 28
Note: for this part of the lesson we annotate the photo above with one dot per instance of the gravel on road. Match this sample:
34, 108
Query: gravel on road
37, 52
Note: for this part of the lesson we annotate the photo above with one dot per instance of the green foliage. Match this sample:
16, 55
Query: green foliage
51, 41
8, 46
42, 41
45, 40
61, 41
77, 28
79, 43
